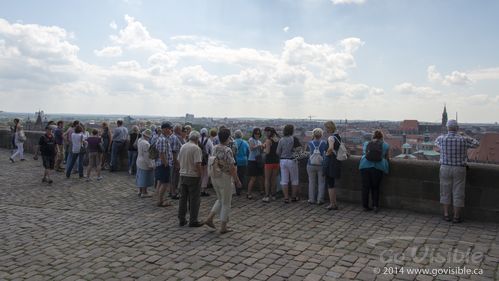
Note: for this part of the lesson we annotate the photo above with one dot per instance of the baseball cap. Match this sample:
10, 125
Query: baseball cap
452, 123
166, 125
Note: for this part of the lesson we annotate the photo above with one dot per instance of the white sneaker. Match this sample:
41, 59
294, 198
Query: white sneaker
99, 178
266, 199
88, 179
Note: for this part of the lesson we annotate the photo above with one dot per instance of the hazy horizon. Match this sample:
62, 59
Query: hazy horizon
237, 117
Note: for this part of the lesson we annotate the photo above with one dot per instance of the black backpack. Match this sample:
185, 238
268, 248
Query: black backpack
374, 151
205, 155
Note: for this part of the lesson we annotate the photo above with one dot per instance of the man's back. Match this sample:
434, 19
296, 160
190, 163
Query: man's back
189, 155
453, 148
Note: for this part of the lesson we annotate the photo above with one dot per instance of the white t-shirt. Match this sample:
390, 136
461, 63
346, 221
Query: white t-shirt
76, 140
189, 155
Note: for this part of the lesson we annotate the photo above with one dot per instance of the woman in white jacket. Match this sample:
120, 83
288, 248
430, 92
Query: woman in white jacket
19, 139
145, 172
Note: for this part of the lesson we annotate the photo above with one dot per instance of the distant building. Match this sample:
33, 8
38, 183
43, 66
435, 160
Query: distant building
488, 151
406, 152
410, 127
189, 118
426, 150
39, 124
444, 117
128, 120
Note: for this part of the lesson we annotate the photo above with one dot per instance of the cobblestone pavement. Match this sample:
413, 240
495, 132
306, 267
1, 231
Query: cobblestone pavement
74, 230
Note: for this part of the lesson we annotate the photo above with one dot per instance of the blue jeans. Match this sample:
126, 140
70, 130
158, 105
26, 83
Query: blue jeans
115, 150
72, 161
132, 161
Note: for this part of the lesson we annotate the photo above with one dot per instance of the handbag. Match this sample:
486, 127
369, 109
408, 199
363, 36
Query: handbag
83, 149
298, 151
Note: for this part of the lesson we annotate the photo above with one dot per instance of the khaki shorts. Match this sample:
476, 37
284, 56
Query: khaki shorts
94, 159
60, 152
452, 185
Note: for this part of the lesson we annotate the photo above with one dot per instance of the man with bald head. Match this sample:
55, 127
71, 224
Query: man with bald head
453, 155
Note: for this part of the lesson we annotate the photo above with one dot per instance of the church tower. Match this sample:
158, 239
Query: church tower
444, 117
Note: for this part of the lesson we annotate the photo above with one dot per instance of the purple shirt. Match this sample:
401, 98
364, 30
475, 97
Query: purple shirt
93, 143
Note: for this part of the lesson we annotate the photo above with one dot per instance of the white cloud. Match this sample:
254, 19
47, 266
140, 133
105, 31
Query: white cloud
39, 42
109, 52
410, 89
135, 36
113, 25
199, 74
485, 74
433, 75
162, 59
196, 76
332, 62
214, 51
455, 78
341, 2
285, 29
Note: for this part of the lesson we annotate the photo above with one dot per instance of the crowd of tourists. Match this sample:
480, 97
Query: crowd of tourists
183, 162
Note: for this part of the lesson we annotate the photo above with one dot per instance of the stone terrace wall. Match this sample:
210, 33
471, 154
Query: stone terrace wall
32, 137
411, 184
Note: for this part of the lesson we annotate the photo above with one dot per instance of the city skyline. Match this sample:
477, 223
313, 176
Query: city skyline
340, 59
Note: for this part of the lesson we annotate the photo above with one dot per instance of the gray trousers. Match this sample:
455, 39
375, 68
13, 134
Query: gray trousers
189, 191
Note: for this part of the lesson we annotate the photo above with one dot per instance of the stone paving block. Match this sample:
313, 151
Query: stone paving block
102, 231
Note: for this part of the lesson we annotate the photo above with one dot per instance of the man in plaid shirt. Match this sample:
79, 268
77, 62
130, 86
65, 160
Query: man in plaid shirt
164, 162
176, 142
453, 155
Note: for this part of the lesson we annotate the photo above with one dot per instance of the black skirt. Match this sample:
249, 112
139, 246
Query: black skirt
254, 169
332, 167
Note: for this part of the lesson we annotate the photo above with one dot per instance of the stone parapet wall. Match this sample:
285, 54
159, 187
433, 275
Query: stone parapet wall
411, 185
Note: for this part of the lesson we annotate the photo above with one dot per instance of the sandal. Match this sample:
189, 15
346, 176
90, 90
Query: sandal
249, 196
286, 200
294, 199
332, 207
457, 220
210, 224
164, 204
446, 218
227, 230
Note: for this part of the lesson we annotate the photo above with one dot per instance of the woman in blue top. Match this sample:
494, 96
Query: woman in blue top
317, 148
241, 158
373, 164
255, 161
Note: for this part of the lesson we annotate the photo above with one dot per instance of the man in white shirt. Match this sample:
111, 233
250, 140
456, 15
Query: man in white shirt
190, 157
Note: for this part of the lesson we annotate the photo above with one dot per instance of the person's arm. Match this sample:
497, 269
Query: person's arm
175, 154
279, 148
199, 168
268, 144
110, 139
471, 142
41, 141
246, 145
210, 147
437, 144
233, 173
252, 144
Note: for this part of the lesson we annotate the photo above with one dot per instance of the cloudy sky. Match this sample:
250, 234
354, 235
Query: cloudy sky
355, 59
